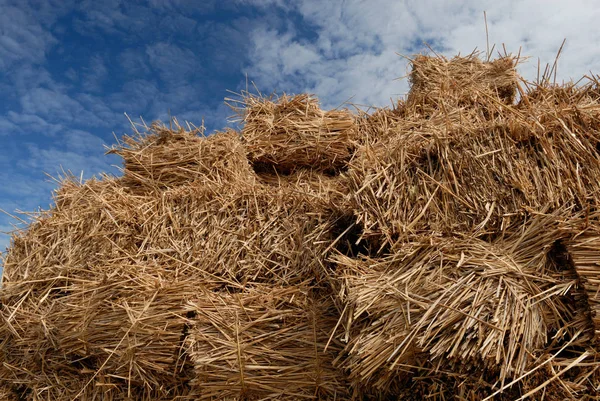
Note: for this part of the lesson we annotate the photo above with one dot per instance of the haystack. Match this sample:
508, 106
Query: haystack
441, 84
446, 248
459, 171
293, 132
172, 156
464, 310
232, 345
102, 286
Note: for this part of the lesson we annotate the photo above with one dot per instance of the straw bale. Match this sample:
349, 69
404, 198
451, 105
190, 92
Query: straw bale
79, 283
237, 233
441, 84
582, 253
464, 229
172, 156
464, 306
241, 235
461, 173
128, 327
373, 126
327, 193
82, 225
294, 132
263, 343
100, 282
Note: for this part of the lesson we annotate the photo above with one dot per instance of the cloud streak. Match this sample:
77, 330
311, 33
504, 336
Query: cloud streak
22, 38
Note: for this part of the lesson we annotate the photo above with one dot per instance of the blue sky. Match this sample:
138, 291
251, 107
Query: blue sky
69, 70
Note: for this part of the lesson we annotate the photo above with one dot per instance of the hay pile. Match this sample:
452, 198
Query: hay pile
172, 156
448, 248
255, 344
294, 132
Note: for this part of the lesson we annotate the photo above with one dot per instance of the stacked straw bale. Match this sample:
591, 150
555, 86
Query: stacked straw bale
456, 171
232, 349
294, 132
101, 293
441, 84
172, 156
458, 178
446, 248
452, 304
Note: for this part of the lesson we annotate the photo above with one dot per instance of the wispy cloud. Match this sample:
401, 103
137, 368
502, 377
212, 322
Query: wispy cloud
107, 16
22, 38
56, 161
94, 75
175, 65
134, 63
27, 123
21, 189
50, 104
59, 107
7, 127
82, 142
19, 81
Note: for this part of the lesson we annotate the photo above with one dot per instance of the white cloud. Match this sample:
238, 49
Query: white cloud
24, 122
355, 45
55, 161
106, 16
214, 118
51, 104
22, 192
98, 112
263, 3
143, 91
28, 76
82, 142
177, 24
282, 63
7, 127
133, 62
72, 75
174, 64
183, 5
22, 38
75, 151
94, 75
57, 106
19, 186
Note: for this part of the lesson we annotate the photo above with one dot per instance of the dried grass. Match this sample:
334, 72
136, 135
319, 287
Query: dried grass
165, 157
445, 248
293, 132
581, 254
255, 345
441, 84
99, 287
459, 172
460, 305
